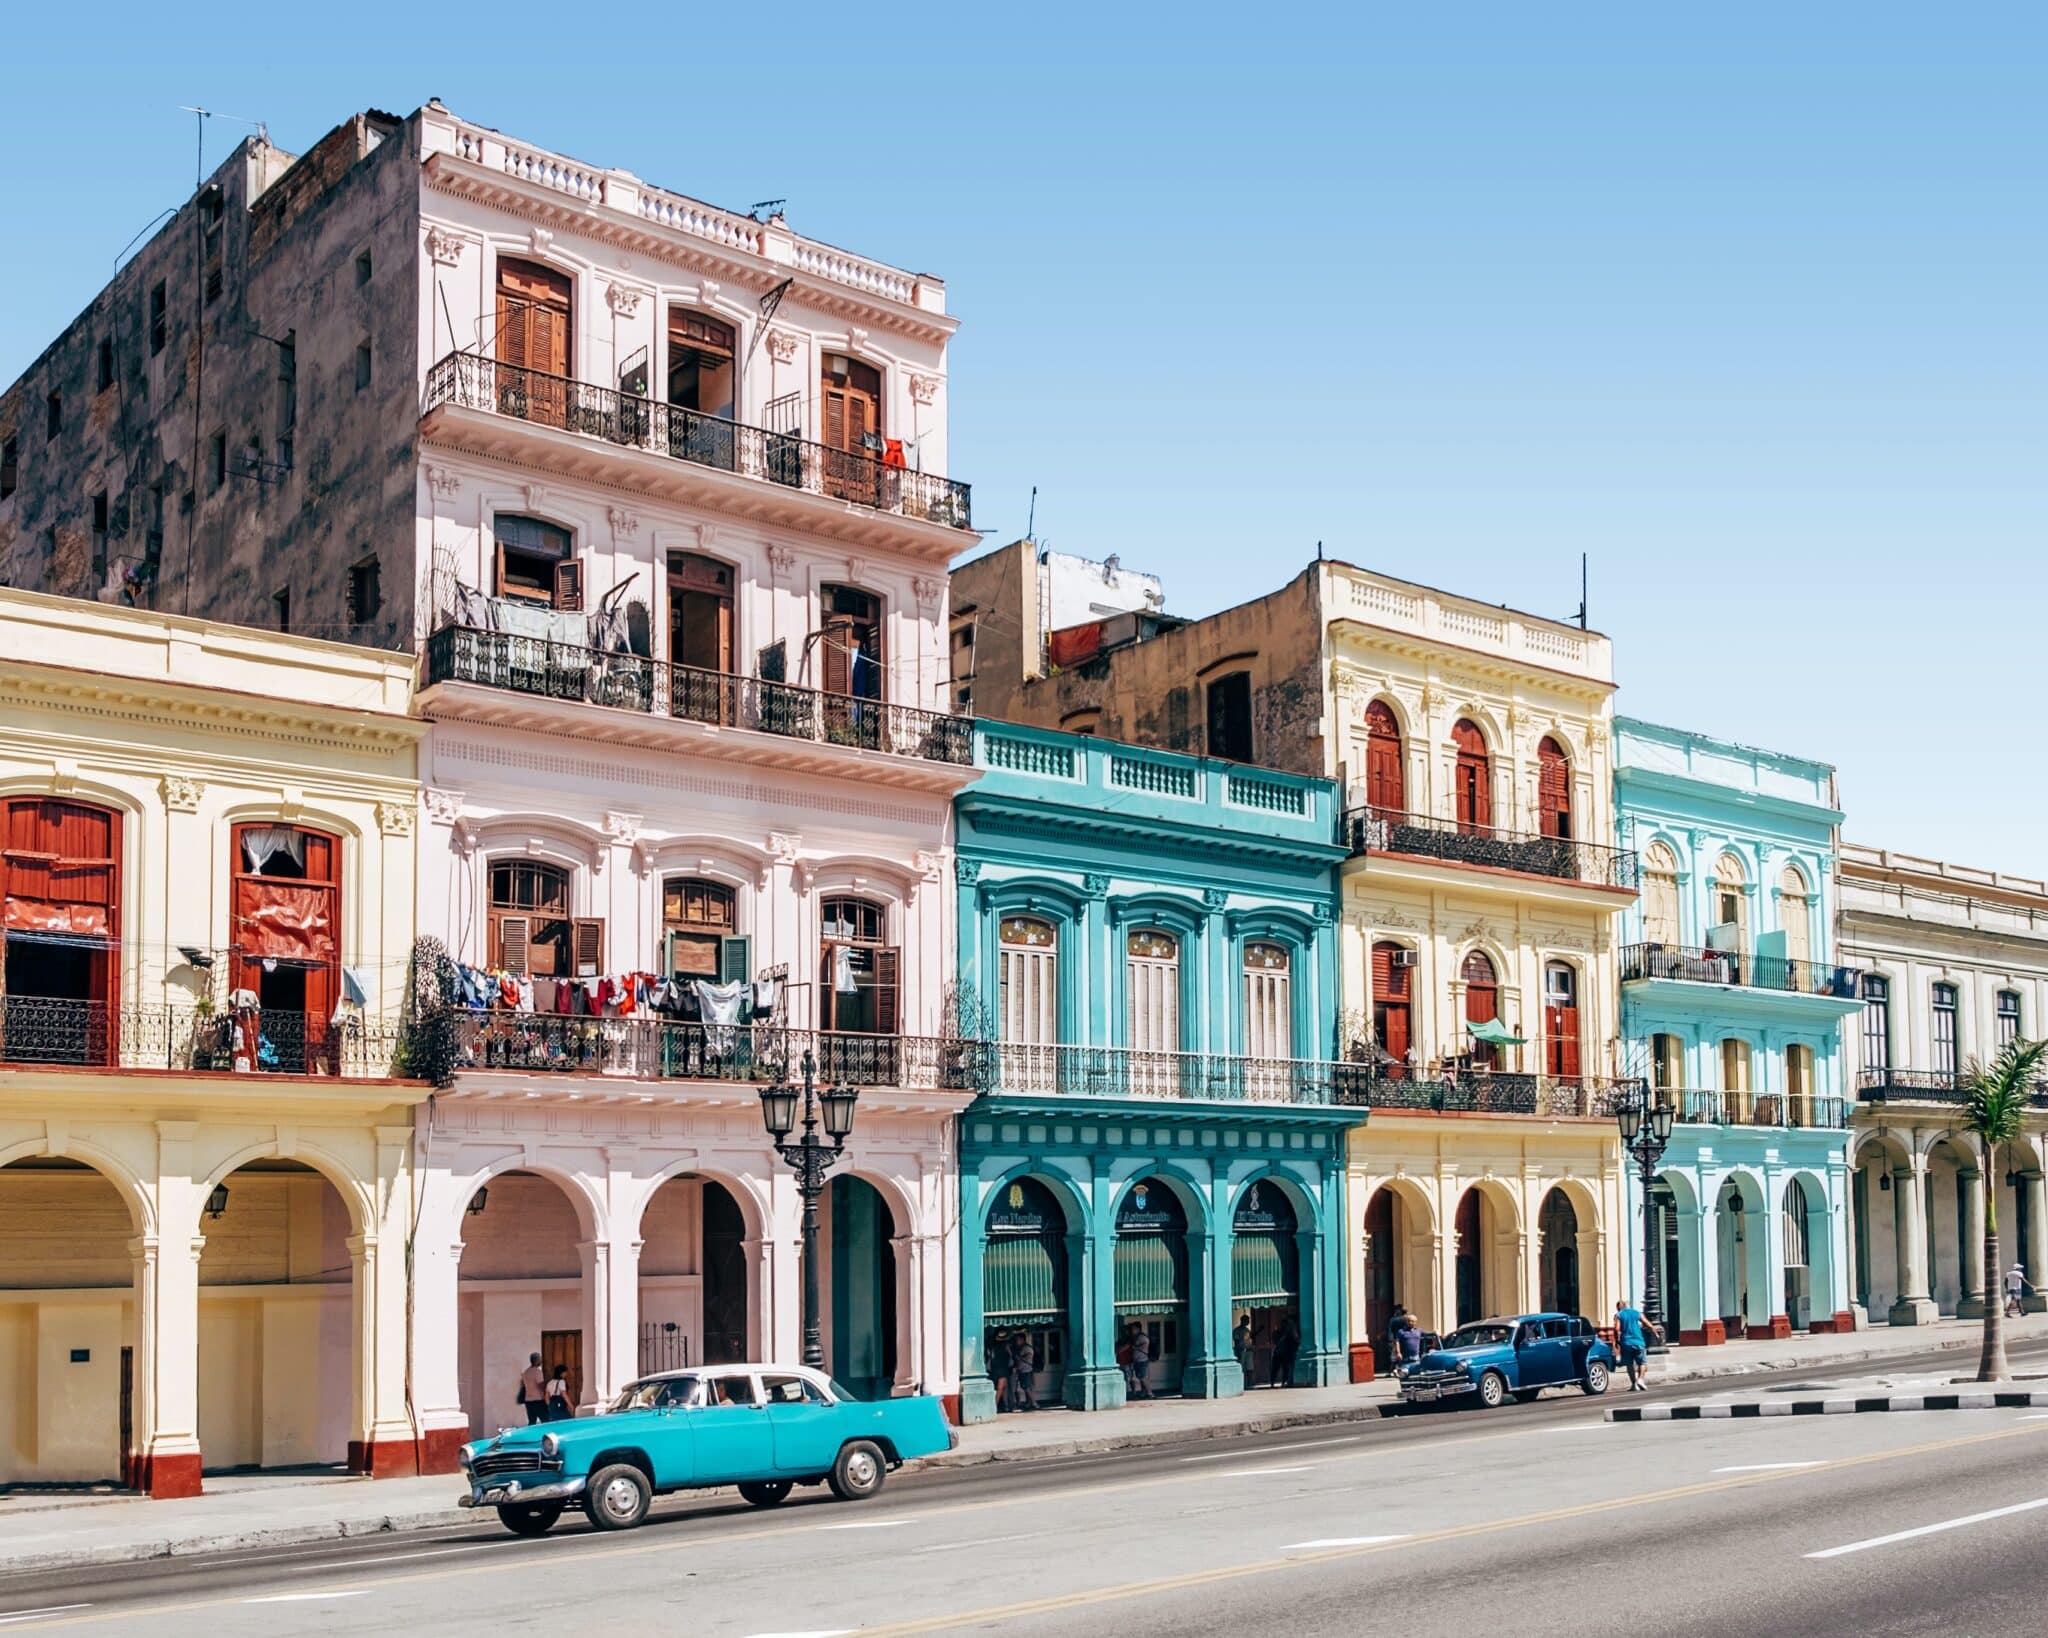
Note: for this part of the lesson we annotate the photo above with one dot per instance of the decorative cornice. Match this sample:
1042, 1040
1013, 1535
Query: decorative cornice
622, 827
623, 299
444, 247
182, 792
443, 807
395, 818
782, 346
924, 388
624, 524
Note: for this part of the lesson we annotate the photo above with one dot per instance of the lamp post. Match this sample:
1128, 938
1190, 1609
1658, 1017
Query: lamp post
1646, 1141
811, 1159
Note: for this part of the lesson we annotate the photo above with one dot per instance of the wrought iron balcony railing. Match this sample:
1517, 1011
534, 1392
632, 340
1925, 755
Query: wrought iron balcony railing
1425, 836
758, 1053
469, 381
1498, 1092
47, 1030
627, 682
1124, 1072
1740, 969
1800, 1111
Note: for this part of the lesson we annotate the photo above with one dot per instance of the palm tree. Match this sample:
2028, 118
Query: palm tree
1998, 1093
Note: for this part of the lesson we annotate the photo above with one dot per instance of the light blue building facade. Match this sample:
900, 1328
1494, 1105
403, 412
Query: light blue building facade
1156, 1160
1733, 1005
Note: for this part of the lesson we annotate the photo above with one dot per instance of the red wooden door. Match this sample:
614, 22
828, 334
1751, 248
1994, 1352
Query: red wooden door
1385, 781
1561, 1020
1482, 1002
1554, 789
286, 928
1473, 778
1392, 1013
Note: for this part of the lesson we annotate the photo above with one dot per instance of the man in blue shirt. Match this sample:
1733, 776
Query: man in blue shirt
1630, 1342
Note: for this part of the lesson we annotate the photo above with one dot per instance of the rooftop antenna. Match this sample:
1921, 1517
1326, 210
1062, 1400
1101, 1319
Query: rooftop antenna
1582, 591
763, 210
201, 116
1031, 523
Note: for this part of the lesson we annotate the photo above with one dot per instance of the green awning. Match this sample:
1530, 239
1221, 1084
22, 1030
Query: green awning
1017, 1280
1489, 1029
1148, 1272
1259, 1276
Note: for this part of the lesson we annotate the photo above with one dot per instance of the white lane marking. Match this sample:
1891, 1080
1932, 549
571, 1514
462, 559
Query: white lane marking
307, 1598
821, 1632
1932, 1529
13, 1616
1338, 1541
1254, 1472
1765, 1467
983, 1541
1271, 1450
385, 1558
2036, 1416
867, 1524
1570, 1427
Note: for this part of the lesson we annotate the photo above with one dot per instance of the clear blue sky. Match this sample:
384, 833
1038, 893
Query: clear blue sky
1750, 307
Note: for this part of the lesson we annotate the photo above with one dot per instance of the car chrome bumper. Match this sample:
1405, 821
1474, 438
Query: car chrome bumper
512, 1492
1442, 1388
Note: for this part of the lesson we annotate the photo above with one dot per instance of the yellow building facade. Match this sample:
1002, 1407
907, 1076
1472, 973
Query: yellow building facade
207, 885
1481, 907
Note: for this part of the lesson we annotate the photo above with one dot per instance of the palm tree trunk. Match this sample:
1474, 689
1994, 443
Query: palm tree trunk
1991, 1364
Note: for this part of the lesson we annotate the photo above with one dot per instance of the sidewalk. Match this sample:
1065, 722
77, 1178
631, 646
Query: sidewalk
54, 1531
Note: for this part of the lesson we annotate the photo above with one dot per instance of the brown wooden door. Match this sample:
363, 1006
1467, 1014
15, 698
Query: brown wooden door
564, 1348
1561, 1020
1554, 789
850, 410
1473, 778
535, 315
1385, 779
1482, 1003
1391, 1005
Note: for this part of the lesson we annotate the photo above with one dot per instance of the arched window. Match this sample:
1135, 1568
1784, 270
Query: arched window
850, 428
1561, 1018
1386, 779
1227, 707
700, 375
1792, 1224
1731, 901
1028, 955
1393, 973
1667, 1063
1554, 789
859, 975
537, 562
700, 628
1472, 780
1268, 1001
698, 921
286, 929
535, 341
1482, 1004
1660, 894
60, 910
532, 933
1152, 991
1795, 915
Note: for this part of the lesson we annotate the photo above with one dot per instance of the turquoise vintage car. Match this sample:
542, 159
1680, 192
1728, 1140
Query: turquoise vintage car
765, 1428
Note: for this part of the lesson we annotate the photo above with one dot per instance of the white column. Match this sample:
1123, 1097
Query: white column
1914, 1306
623, 1353
1970, 1231
2034, 1185
142, 1252
598, 1385
908, 1253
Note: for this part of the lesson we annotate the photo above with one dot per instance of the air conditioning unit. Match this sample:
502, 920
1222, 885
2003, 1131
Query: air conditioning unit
1402, 958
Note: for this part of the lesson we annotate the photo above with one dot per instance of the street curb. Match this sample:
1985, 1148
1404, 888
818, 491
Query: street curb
1110, 1443
283, 1535
1843, 1405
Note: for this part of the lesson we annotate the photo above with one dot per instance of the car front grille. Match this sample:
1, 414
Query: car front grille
506, 1461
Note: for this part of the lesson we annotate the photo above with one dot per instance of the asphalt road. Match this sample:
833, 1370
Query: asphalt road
1533, 1519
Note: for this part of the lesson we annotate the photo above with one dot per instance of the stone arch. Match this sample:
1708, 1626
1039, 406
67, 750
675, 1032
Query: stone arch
359, 1195
752, 1194
140, 1202
1486, 1240
1397, 1240
1743, 1235
1818, 1295
592, 1216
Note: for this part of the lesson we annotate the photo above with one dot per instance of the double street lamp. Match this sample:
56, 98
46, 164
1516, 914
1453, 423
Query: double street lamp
812, 1157
1645, 1131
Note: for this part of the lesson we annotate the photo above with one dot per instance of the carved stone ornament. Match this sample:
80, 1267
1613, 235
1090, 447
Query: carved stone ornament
444, 247
1214, 898
927, 591
857, 339
968, 871
856, 569
395, 818
445, 484
781, 560
542, 241
623, 299
624, 524
536, 495
1094, 884
622, 827
182, 793
708, 289
443, 807
924, 388
782, 346
928, 864
785, 845
707, 537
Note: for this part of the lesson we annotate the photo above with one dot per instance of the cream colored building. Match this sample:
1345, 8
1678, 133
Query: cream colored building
207, 882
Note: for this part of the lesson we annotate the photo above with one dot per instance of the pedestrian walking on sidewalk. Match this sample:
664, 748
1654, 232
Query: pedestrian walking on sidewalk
2016, 1289
1285, 1346
1241, 1345
559, 1408
1141, 1363
1630, 1342
533, 1393
1407, 1337
1023, 1373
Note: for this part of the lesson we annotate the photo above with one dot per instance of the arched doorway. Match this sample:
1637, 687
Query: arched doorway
1674, 1232
277, 1332
1265, 1284
1472, 779
693, 1277
861, 1268
1152, 1279
1554, 790
1741, 1254
1487, 1271
520, 1293
1386, 784
1399, 1265
1803, 1235
1482, 1008
1557, 1230
67, 1325
1953, 1209
286, 973
1393, 1018
1024, 1290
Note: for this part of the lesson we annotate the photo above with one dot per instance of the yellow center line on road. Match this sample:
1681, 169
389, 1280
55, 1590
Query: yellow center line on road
794, 1523
1267, 1566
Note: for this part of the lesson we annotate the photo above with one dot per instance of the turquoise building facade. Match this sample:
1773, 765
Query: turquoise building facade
1147, 942
1733, 1005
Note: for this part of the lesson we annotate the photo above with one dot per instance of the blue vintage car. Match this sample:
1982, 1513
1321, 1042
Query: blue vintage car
1494, 1358
765, 1428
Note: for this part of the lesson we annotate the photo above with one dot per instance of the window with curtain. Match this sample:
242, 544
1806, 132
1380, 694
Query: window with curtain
1482, 1004
858, 973
1028, 955
1795, 914
2008, 1017
1667, 1062
1660, 894
1947, 1058
1268, 1001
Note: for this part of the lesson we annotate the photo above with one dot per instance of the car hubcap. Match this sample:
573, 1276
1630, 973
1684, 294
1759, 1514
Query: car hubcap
861, 1471
621, 1500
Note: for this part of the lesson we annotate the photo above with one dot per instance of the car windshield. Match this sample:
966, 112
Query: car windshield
842, 1393
660, 1390
1480, 1336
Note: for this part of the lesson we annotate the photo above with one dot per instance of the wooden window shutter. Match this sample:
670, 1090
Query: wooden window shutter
835, 418
512, 328
839, 654
888, 971
513, 933
735, 959
588, 946
569, 584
